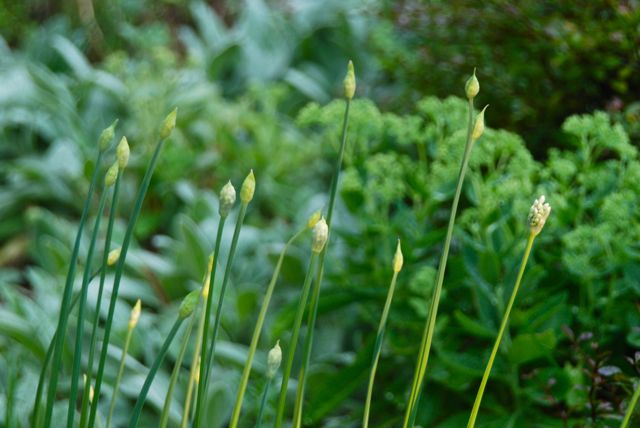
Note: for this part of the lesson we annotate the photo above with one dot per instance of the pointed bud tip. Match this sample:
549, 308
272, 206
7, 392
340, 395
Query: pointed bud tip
350, 81
248, 188
314, 219
122, 153
135, 314
472, 86
227, 199
107, 135
168, 124
478, 127
398, 258
320, 235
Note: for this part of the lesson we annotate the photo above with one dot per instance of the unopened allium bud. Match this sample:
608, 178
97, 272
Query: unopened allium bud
397, 258
91, 393
111, 175
350, 82
248, 188
113, 256
538, 215
227, 199
189, 304
168, 124
320, 235
274, 358
106, 136
122, 153
314, 219
478, 127
472, 87
135, 314
207, 279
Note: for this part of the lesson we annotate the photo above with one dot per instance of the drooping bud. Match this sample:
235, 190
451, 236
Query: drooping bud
320, 235
168, 124
122, 153
472, 87
113, 256
189, 304
207, 279
274, 358
350, 82
538, 215
398, 259
227, 199
314, 219
478, 126
135, 315
106, 136
111, 175
248, 188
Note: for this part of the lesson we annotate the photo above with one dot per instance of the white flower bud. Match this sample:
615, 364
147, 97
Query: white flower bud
538, 215
472, 87
227, 199
320, 235
248, 188
398, 259
273, 360
113, 256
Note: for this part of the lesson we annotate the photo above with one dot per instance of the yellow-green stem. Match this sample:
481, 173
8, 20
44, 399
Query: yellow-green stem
377, 348
503, 326
116, 385
631, 407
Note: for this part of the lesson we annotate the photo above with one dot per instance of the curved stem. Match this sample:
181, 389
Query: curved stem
256, 332
66, 298
503, 326
294, 339
377, 348
137, 409
427, 338
116, 385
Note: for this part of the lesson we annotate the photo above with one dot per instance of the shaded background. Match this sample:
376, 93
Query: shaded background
255, 83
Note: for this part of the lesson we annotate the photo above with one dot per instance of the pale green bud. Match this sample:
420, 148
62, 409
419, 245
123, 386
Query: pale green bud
107, 135
189, 304
320, 235
350, 82
274, 358
135, 315
538, 215
398, 259
168, 124
122, 153
314, 219
111, 175
248, 188
472, 87
113, 256
227, 199
478, 126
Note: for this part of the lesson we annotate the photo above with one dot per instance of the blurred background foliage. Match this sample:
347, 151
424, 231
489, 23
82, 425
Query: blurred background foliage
254, 82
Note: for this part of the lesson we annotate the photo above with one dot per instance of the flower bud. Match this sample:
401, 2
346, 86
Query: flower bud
472, 87
227, 199
111, 175
478, 126
314, 219
538, 215
397, 258
189, 304
106, 136
274, 357
207, 279
122, 153
320, 235
135, 315
113, 257
248, 188
350, 82
168, 124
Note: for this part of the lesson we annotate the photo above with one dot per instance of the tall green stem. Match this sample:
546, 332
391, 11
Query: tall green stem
116, 384
294, 339
137, 409
66, 298
503, 326
263, 403
427, 338
118, 276
630, 409
203, 385
377, 347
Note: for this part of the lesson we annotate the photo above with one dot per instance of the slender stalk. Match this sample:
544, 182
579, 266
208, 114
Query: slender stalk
258, 330
427, 338
66, 298
120, 269
191, 387
206, 316
630, 409
166, 409
116, 385
96, 316
77, 355
377, 348
137, 410
503, 326
294, 339
85, 399
263, 403
203, 385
